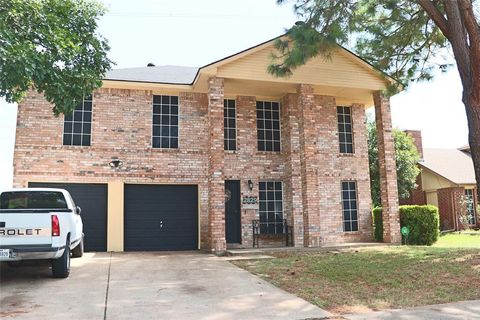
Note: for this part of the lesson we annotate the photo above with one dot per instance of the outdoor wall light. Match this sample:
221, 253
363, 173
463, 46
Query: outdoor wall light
250, 185
115, 163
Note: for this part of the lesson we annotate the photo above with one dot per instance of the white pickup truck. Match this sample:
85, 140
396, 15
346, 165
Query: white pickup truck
40, 223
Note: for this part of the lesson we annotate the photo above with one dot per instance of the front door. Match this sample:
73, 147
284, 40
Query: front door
232, 211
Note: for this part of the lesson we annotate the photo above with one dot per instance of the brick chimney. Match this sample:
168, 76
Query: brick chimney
417, 140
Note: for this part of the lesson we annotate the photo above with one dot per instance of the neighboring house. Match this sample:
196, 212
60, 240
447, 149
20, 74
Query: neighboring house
172, 158
447, 181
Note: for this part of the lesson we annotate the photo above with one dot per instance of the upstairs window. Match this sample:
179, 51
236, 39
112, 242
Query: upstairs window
77, 126
229, 124
345, 135
349, 206
268, 126
165, 122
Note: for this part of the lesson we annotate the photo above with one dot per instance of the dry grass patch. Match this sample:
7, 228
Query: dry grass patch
374, 278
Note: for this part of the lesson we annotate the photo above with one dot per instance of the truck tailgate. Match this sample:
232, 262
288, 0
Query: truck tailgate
25, 229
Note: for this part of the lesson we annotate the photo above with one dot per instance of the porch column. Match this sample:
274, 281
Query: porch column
309, 172
388, 169
216, 181
293, 172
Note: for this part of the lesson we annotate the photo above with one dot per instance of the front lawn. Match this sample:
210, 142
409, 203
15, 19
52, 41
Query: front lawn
374, 278
470, 239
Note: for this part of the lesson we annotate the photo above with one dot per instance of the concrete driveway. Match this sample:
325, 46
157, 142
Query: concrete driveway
146, 286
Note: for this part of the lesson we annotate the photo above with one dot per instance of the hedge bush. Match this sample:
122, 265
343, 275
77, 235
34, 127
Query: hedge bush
378, 224
423, 222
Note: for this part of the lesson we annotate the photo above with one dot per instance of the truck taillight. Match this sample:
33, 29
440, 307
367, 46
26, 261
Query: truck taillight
55, 226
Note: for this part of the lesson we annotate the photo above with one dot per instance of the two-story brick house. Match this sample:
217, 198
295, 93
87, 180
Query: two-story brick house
171, 158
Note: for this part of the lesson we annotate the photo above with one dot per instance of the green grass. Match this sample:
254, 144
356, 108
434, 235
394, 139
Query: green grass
459, 240
374, 278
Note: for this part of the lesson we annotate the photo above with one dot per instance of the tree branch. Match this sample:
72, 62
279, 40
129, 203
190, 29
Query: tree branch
436, 16
472, 27
458, 39
473, 30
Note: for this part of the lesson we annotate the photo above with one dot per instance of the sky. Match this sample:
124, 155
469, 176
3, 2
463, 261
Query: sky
195, 33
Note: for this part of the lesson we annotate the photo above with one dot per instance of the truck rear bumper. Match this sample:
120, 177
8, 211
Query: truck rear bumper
30, 252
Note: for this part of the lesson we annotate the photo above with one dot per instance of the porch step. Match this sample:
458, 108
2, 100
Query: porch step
243, 252
232, 246
248, 257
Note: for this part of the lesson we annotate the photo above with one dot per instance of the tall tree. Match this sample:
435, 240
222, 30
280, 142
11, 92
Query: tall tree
51, 46
406, 157
403, 38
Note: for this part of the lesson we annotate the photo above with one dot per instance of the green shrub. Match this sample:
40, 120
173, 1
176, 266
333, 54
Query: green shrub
423, 222
378, 224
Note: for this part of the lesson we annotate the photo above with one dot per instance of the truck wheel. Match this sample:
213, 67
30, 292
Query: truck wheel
77, 252
61, 266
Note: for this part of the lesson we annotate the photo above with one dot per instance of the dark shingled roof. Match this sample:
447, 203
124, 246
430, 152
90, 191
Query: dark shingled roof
160, 74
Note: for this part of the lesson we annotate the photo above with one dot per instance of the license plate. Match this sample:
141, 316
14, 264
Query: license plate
4, 253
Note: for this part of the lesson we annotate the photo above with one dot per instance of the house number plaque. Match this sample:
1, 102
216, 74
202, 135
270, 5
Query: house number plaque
249, 202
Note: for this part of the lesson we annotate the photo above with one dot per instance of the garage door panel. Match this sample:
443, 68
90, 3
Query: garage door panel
92, 198
161, 217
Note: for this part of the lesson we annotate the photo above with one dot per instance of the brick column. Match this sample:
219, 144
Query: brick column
388, 170
308, 157
293, 176
216, 181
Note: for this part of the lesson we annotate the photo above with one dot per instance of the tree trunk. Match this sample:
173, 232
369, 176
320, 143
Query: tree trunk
472, 107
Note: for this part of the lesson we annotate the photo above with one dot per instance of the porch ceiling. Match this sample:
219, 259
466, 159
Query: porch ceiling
275, 90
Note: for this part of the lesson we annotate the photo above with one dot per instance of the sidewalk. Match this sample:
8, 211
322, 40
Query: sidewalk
448, 311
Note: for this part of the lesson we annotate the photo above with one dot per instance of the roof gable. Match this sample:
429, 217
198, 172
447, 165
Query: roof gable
345, 76
343, 69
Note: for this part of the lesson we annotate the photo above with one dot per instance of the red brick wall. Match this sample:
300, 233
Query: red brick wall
448, 206
122, 129
247, 163
330, 168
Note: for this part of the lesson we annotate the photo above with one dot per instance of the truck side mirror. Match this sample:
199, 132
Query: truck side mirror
78, 210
